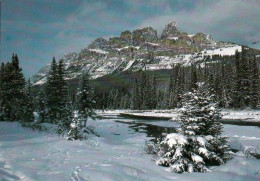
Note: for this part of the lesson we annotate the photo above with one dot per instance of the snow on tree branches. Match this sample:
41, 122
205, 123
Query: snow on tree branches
198, 142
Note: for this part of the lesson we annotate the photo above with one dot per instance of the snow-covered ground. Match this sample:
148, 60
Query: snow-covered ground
245, 115
117, 154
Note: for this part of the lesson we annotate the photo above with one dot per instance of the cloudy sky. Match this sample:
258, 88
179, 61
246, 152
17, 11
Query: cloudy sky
37, 30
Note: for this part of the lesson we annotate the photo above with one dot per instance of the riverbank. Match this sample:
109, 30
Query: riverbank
237, 117
117, 153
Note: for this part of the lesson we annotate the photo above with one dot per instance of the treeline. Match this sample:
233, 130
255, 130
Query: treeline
234, 80
16, 103
52, 103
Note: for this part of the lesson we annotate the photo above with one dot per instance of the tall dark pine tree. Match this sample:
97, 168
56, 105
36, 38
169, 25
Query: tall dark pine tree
135, 97
52, 93
6, 94
13, 100
63, 105
28, 105
154, 93
142, 90
194, 79
86, 102
2, 93
17, 90
41, 107
255, 84
245, 78
171, 90
62, 88
148, 97
236, 94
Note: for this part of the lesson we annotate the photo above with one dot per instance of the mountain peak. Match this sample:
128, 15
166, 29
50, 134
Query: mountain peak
170, 30
142, 47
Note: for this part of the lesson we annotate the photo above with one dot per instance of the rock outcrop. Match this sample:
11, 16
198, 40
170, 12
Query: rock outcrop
140, 49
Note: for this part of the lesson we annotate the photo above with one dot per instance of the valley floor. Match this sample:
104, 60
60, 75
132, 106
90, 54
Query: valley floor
117, 154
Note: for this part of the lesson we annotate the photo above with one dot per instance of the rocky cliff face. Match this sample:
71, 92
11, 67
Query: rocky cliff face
140, 49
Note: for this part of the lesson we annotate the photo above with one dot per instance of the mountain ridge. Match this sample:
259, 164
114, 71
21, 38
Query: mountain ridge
140, 49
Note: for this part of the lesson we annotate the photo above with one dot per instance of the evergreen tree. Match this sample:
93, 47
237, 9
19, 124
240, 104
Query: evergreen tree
255, 84
63, 105
52, 93
135, 97
148, 95
142, 90
236, 93
42, 109
28, 105
86, 102
194, 79
17, 90
15, 102
2, 92
199, 142
6, 93
245, 79
171, 90
154, 93
77, 130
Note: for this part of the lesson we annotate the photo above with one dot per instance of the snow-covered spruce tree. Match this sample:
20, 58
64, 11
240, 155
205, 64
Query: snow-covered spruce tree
86, 100
77, 131
52, 93
63, 105
86, 103
199, 142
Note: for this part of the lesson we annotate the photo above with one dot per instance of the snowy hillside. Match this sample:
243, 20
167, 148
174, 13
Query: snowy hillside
141, 49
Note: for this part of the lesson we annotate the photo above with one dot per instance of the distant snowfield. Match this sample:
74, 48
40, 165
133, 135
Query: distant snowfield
116, 155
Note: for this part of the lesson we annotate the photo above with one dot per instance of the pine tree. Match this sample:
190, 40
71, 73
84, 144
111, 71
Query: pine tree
42, 108
6, 93
255, 84
171, 91
2, 92
17, 90
245, 79
148, 95
63, 106
52, 93
77, 131
15, 103
194, 79
236, 93
86, 102
135, 97
199, 142
142, 91
28, 106
154, 93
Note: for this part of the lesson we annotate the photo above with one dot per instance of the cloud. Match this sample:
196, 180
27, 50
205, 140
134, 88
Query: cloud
41, 29
232, 20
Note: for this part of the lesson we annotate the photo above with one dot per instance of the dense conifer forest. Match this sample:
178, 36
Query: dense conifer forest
233, 80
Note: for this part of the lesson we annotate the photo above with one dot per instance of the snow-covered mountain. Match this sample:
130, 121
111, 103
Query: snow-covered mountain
140, 49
